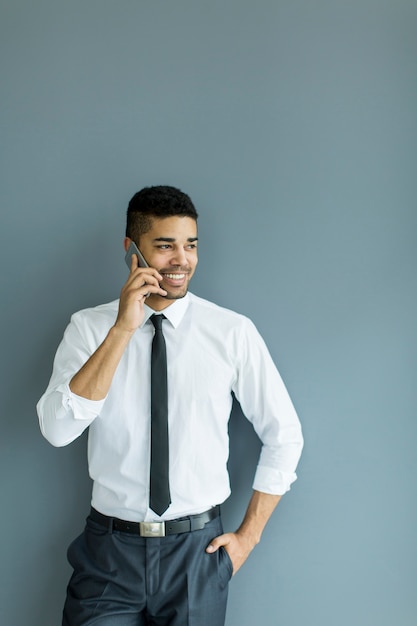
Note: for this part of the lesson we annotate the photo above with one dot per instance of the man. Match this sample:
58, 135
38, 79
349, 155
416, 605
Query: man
140, 561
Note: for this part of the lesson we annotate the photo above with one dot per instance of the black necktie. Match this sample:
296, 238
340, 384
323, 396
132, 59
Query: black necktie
160, 497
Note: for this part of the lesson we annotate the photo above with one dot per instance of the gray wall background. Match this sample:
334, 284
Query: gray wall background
293, 127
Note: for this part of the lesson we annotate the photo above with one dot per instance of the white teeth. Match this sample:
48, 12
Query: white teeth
175, 276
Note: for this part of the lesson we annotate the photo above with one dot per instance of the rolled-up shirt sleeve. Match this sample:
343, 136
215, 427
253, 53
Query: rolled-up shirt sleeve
63, 416
266, 403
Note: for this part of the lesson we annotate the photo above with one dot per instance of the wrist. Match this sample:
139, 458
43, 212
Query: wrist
119, 333
249, 536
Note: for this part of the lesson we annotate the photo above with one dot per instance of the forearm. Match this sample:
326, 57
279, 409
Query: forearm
260, 509
93, 380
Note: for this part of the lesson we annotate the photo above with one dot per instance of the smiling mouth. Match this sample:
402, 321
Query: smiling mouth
174, 276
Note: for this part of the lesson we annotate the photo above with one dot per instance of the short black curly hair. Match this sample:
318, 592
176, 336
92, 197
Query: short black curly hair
159, 201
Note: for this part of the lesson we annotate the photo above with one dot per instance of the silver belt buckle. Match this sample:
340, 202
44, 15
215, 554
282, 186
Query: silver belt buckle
152, 529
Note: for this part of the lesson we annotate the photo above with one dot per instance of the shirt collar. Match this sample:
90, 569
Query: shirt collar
174, 312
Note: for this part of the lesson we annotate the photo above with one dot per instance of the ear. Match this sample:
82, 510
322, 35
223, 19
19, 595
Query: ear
126, 243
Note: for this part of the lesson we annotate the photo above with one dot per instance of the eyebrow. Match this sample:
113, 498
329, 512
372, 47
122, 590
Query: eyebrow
172, 239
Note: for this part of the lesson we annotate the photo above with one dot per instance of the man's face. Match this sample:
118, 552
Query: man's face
170, 246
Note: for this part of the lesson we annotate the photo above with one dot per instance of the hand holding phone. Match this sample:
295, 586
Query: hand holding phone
136, 287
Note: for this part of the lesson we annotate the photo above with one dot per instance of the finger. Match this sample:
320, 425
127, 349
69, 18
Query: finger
144, 281
217, 542
138, 279
139, 291
147, 290
147, 274
134, 265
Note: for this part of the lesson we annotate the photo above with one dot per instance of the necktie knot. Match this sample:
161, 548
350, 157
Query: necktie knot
157, 321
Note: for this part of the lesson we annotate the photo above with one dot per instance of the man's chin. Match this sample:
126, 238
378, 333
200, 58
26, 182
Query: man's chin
160, 302
175, 295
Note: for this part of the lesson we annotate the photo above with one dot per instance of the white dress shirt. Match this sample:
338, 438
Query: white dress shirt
211, 352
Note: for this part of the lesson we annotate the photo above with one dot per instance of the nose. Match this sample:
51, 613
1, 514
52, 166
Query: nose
179, 257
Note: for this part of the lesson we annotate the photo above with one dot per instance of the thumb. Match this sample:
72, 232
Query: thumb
216, 543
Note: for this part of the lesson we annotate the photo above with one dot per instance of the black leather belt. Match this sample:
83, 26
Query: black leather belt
156, 529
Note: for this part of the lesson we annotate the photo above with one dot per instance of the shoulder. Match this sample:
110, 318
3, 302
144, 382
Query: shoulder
203, 306
206, 310
102, 314
232, 333
89, 327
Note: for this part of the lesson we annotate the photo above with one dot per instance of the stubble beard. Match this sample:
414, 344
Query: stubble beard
175, 295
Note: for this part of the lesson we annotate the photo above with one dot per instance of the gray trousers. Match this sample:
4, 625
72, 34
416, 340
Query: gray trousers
121, 579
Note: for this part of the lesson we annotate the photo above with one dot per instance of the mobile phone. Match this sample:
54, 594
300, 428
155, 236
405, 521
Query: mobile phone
133, 249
